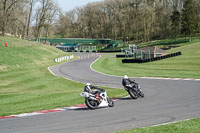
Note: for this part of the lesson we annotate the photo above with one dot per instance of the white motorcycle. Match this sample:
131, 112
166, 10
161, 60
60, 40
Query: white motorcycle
94, 101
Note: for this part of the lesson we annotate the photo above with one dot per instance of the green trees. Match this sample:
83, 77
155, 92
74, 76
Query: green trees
27, 18
176, 19
139, 20
188, 18
7, 10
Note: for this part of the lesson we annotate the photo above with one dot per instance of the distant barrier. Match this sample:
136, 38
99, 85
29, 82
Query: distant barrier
87, 51
64, 58
123, 55
109, 51
151, 59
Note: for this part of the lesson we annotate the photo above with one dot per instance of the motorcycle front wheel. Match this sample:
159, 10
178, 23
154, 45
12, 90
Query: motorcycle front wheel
141, 93
110, 102
91, 104
132, 93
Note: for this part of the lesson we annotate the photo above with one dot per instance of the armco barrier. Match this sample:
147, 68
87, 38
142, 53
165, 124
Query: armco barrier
64, 58
110, 51
151, 59
123, 56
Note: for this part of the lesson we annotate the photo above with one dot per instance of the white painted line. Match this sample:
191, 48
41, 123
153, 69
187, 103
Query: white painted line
27, 114
101, 72
171, 122
71, 108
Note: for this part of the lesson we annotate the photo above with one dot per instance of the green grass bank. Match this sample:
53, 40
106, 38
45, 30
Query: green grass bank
181, 41
187, 126
184, 66
26, 85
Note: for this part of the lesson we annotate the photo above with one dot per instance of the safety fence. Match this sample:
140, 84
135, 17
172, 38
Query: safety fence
137, 54
151, 59
64, 58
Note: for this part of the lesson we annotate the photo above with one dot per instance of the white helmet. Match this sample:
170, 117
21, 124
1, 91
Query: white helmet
87, 84
125, 77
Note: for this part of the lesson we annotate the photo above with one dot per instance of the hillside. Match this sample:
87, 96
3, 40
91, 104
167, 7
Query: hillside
21, 53
25, 83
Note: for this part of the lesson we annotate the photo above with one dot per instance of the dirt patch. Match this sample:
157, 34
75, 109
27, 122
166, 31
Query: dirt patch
3, 68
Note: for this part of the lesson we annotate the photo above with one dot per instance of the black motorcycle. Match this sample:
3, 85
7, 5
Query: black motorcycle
134, 90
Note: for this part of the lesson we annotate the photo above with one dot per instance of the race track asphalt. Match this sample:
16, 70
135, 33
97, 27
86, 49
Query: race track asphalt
165, 101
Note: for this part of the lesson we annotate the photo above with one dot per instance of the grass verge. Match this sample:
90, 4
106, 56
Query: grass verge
182, 41
184, 66
187, 126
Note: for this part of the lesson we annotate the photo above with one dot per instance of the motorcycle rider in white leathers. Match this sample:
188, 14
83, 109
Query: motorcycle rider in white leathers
93, 89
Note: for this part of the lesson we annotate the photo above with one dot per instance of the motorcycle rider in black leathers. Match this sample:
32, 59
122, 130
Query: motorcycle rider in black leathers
129, 84
126, 81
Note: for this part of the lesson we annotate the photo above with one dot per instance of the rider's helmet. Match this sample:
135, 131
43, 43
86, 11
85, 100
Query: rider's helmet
88, 87
125, 77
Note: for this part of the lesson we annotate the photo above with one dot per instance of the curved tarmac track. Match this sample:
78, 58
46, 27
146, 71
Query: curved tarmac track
165, 101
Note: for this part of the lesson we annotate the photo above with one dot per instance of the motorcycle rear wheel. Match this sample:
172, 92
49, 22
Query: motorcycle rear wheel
133, 93
91, 104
